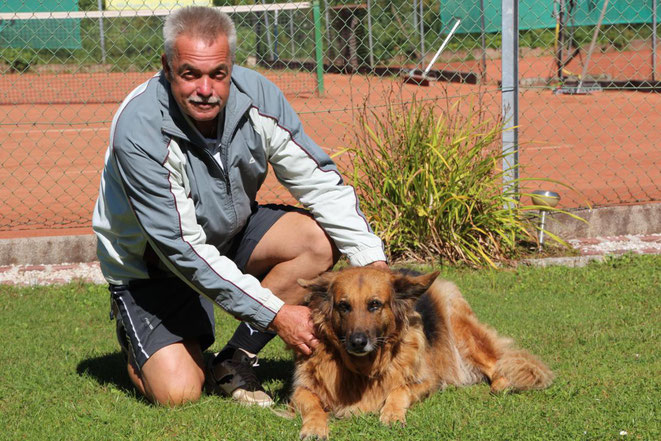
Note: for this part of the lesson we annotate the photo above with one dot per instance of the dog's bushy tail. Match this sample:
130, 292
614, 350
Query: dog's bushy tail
520, 370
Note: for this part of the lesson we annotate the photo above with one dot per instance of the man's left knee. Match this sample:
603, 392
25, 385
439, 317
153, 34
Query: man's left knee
320, 246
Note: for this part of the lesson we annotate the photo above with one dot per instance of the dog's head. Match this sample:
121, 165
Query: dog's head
359, 309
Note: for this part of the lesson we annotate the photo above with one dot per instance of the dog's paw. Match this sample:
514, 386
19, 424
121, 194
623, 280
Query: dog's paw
499, 385
393, 416
313, 430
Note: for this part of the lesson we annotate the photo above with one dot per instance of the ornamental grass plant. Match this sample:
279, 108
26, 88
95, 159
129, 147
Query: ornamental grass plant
431, 183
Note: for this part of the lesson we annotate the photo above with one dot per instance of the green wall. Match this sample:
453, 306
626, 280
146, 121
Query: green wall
40, 34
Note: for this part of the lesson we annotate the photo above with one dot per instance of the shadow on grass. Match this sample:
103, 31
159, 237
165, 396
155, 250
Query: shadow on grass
109, 369
277, 370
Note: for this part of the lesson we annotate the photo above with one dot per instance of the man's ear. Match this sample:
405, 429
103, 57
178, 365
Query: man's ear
166, 67
412, 287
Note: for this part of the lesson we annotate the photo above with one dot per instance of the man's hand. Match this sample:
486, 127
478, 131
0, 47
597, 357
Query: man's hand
380, 264
294, 325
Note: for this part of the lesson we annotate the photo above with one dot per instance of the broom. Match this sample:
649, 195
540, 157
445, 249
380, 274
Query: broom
411, 77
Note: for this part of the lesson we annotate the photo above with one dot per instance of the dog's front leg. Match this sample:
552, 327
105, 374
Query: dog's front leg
394, 409
315, 419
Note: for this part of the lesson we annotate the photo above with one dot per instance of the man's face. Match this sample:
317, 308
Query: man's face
199, 77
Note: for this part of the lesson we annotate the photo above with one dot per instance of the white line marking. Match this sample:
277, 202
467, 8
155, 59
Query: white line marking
62, 131
547, 147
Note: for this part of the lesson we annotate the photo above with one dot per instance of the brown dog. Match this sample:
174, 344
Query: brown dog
388, 340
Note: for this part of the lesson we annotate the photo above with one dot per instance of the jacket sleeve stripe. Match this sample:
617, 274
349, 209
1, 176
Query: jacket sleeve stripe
200, 276
202, 258
318, 163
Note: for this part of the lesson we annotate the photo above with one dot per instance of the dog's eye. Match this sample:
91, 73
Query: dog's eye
343, 307
374, 305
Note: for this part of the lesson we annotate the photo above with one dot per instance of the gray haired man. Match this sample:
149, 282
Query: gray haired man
179, 228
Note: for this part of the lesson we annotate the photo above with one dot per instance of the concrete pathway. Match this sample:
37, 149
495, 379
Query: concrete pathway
589, 249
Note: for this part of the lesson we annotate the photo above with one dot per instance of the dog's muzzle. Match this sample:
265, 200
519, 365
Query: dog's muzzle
359, 343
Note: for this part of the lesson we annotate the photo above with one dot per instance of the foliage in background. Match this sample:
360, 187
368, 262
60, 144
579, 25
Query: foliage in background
135, 44
430, 182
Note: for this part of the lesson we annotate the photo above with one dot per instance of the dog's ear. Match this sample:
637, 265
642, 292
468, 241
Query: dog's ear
320, 283
412, 287
318, 297
407, 289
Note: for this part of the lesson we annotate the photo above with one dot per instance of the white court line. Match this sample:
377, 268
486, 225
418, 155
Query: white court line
547, 147
83, 172
66, 172
31, 131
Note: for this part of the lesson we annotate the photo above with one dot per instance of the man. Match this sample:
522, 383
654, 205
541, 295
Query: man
178, 226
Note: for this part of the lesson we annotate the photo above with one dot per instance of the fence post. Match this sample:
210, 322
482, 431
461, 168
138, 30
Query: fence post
102, 37
269, 42
318, 43
510, 94
654, 37
369, 33
421, 23
483, 42
327, 18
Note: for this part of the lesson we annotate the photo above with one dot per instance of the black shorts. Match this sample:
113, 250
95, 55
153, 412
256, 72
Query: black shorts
155, 313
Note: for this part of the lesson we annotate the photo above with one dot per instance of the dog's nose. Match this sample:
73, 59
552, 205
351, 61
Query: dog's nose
358, 342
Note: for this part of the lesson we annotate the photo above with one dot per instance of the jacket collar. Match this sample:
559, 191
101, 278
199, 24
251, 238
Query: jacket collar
174, 123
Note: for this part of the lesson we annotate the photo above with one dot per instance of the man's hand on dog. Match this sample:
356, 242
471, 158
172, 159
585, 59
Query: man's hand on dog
294, 326
380, 264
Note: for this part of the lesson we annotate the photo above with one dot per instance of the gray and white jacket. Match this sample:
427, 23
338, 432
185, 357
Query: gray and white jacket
166, 206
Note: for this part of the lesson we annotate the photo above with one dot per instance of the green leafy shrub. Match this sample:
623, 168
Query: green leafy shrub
431, 184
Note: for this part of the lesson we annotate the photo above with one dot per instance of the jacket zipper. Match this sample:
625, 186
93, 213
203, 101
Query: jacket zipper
224, 175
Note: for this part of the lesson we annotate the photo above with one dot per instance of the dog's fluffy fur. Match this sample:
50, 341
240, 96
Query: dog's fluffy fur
388, 340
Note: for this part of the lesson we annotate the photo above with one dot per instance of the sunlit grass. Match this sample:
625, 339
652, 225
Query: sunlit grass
597, 327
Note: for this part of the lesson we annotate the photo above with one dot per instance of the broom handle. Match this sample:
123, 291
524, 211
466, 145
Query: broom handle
440, 49
592, 43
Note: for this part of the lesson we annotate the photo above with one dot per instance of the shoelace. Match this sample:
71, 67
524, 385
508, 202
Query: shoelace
244, 368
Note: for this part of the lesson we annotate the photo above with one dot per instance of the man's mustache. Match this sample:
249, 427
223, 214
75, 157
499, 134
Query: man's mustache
210, 100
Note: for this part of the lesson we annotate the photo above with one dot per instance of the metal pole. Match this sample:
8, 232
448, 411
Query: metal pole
654, 39
318, 42
275, 35
560, 37
329, 41
415, 15
102, 35
592, 43
483, 41
416, 29
541, 229
422, 32
291, 34
369, 33
269, 41
510, 94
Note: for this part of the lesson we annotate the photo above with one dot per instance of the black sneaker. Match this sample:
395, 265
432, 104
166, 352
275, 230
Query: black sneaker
235, 377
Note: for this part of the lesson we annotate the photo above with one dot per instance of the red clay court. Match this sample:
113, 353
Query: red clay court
606, 144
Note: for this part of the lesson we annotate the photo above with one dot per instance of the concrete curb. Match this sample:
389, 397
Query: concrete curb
570, 262
48, 250
601, 222
607, 221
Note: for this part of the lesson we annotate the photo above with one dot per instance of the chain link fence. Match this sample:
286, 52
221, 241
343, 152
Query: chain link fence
589, 111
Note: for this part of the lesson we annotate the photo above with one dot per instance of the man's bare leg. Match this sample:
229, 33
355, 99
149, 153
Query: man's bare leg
173, 375
294, 247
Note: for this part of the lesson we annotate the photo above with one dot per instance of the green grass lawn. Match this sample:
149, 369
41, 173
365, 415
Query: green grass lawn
597, 327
